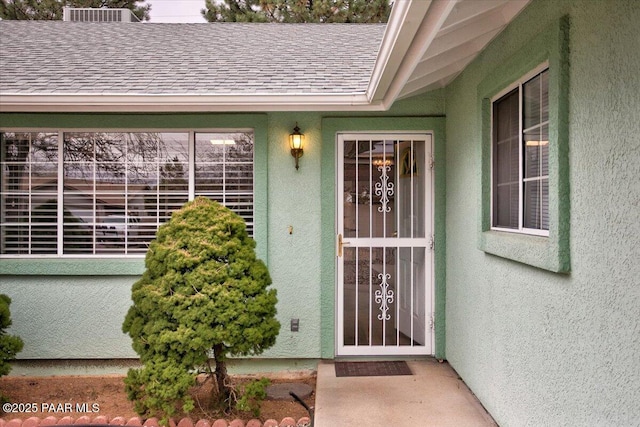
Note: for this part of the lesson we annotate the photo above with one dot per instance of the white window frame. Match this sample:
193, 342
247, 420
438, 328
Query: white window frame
191, 159
516, 85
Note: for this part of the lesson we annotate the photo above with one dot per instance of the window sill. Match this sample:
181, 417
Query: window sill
524, 231
72, 267
537, 251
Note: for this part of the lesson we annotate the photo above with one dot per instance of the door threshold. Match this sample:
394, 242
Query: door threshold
383, 358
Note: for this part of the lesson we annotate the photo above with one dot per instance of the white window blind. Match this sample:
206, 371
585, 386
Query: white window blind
28, 211
224, 171
520, 134
106, 193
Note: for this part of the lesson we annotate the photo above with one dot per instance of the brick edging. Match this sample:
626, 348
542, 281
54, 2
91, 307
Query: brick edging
151, 422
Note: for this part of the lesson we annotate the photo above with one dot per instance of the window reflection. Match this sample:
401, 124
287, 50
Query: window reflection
116, 188
224, 171
121, 186
29, 190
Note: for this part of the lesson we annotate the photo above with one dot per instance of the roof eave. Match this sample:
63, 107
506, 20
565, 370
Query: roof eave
404, 22
411, 29
428, 43
185, 103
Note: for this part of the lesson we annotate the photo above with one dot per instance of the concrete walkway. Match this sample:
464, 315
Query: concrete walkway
432, 396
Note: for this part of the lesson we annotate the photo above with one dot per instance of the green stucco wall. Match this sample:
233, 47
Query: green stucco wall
73, 309
538, 347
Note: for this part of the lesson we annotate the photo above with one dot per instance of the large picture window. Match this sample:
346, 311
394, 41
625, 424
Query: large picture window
106, 193
520, 156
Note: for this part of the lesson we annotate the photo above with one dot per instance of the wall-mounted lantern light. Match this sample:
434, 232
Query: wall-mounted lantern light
296, 141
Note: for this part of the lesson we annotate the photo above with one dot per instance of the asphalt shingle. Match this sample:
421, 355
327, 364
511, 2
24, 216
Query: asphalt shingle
55, 57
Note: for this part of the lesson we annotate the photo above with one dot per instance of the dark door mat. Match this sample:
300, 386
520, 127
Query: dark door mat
371, 369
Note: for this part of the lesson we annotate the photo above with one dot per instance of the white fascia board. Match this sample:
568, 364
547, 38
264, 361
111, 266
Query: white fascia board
404, 22
185, 103
435, 18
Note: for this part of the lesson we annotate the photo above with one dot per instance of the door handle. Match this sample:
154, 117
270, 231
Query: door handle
341, 244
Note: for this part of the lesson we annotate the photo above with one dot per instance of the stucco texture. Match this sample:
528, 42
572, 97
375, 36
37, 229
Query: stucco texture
74, 308
540, 348
59, 316
294, 234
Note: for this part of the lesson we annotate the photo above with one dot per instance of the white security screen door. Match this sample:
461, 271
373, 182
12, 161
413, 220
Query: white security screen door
384, 244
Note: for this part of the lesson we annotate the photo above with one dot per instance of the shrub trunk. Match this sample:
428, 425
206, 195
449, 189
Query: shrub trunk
223, 393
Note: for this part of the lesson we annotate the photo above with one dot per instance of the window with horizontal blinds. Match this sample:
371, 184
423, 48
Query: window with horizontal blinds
28, 206
520, 175
106, 193
535, 146
506, 153
224, 172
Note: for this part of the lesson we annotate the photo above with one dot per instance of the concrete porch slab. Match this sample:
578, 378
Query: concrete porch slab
432, 396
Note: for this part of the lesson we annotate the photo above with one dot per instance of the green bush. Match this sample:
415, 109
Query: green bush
9, 344
203, 294
252, 394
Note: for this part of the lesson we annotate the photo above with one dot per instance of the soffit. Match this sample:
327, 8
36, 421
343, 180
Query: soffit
451, 33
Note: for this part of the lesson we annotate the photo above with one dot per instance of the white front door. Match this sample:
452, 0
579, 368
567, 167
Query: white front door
384, 244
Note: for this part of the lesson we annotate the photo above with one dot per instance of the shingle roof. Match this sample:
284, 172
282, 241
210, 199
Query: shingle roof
55, 57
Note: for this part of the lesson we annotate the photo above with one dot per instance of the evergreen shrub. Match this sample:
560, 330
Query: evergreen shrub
10, 345
204, 294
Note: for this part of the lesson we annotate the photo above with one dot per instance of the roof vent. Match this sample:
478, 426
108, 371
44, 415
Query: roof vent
91, 14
